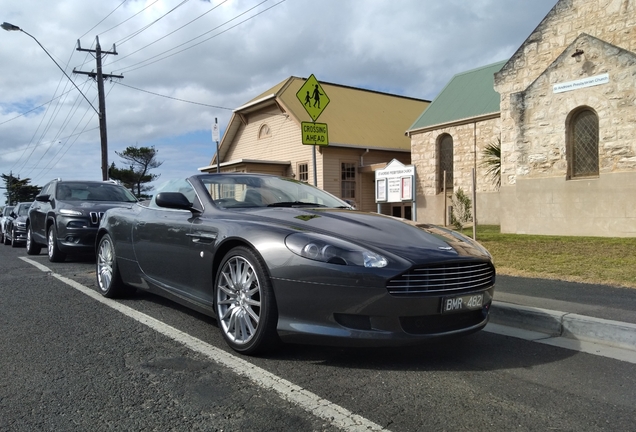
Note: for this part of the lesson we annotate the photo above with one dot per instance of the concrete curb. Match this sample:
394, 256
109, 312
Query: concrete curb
565, 324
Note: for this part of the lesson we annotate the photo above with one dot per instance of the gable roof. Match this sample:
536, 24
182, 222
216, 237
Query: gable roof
355, 117
468, 94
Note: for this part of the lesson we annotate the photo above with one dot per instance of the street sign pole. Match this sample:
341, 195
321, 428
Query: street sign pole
314, 100
215, 137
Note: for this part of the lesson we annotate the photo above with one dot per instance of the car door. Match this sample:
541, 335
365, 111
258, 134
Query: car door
37, 213
162, 244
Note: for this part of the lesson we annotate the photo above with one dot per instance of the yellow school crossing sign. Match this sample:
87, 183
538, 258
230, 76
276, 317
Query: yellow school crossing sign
313, 97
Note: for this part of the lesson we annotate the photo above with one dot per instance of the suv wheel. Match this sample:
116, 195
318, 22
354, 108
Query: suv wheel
32, 248
55, 255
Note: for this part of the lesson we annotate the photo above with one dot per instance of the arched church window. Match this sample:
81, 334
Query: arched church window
583, 159
445, 153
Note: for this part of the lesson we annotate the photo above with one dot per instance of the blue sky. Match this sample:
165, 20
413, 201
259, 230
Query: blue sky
218, 55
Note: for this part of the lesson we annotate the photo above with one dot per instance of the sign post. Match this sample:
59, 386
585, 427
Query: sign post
314, 100
215, 137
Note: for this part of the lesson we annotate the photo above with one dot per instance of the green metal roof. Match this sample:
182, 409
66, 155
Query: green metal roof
469, 94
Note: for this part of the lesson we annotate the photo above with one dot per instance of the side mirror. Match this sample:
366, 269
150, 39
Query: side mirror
13, 215
43, 198
174, 200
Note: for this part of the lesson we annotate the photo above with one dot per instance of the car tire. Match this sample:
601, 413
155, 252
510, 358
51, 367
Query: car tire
55, 254
109, 279
244, 303
32, 248
13, 242
1, 237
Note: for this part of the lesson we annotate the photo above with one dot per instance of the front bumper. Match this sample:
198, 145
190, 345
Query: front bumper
76, 234
368, 316
19, 235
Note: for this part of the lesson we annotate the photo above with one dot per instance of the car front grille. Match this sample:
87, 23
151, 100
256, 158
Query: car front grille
443, 278
96, 217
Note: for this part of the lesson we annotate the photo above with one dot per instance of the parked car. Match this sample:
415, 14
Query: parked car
274, 259
4, 217
16, 225
66, 214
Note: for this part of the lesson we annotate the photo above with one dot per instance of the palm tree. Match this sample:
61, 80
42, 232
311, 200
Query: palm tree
492, 161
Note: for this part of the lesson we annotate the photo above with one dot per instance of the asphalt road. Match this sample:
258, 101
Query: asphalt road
70, 362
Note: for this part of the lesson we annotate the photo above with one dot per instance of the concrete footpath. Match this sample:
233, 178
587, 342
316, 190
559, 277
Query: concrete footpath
584, 312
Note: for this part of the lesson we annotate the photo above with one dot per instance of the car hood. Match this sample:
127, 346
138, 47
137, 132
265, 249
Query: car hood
404, 238
98, 206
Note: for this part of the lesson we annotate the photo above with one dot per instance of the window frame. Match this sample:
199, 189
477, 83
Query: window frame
303, 172
571, 145
440, 161
345, 172
264, 131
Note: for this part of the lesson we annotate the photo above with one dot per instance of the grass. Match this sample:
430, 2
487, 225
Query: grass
598, 260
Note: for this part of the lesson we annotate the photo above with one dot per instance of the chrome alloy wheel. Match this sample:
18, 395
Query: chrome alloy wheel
238, 299
105, 260
51, 242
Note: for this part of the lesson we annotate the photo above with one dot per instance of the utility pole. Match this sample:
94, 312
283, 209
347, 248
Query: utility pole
99, 77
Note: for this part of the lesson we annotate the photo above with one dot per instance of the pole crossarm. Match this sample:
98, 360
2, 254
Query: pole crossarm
93, 74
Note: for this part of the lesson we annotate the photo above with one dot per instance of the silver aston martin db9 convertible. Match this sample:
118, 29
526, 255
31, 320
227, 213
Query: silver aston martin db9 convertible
274, 259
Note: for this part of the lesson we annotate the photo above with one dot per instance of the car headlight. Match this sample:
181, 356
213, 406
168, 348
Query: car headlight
331, 250
68, 212
21, 224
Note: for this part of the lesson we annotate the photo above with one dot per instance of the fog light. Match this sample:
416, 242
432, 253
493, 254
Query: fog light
356, 322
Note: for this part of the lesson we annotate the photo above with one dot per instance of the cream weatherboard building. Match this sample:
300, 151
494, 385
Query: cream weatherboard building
365, 131
566, 120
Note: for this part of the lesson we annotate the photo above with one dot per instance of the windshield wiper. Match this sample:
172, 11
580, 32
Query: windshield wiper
295, 204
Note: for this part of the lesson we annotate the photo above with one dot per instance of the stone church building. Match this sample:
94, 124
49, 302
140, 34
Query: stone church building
563, 108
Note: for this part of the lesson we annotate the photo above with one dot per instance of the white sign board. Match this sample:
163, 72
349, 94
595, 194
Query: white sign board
582, 83
394, 183
215, 132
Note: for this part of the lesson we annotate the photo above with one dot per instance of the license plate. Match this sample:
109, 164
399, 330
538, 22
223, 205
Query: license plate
462, 303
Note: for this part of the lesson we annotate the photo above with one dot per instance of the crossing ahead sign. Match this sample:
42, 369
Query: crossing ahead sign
315, 133
313, 97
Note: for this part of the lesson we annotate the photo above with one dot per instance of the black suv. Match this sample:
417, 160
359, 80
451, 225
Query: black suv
66, 214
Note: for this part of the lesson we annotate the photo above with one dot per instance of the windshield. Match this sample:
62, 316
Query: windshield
83, 191
23, 209
244, 190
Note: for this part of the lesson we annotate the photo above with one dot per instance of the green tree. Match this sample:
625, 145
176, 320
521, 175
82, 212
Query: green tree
19, 190
492, 161
140, 161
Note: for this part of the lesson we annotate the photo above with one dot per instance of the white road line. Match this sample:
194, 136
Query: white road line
314, 404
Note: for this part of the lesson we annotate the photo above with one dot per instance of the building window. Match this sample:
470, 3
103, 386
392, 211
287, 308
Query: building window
445, 154
348, 180
303, 172
264, 132
583, 160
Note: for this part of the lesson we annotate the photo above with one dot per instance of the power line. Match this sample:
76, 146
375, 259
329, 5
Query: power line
146, 27
33, 109
132, 67
165, 36
177, 99
113, 11
125, 21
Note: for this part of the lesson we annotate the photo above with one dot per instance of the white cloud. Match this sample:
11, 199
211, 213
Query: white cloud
407, 47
